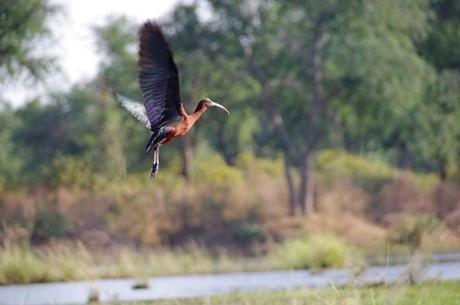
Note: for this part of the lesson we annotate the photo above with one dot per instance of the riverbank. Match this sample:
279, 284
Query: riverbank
194, 286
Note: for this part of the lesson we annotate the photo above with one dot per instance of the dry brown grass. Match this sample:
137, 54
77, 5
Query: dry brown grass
403, 196
355, 230
342, 196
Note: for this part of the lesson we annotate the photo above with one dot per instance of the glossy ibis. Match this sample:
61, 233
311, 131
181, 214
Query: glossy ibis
162, 111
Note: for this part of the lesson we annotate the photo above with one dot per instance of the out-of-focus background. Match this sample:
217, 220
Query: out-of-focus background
343, 139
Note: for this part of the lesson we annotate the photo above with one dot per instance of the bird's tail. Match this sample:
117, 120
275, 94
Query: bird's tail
156, 138
152, 141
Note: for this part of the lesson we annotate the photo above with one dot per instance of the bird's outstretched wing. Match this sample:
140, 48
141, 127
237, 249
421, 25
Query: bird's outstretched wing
136, 109
158, 77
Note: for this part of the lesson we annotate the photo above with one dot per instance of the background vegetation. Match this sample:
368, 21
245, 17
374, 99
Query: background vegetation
345, 121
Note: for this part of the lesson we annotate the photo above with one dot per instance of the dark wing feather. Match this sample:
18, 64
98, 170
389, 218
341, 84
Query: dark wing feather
158, 77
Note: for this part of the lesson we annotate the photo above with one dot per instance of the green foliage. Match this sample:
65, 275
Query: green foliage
441, 46
383, 98
437, 139
70, 172
250, 163
10, 155
23, 25
312, 252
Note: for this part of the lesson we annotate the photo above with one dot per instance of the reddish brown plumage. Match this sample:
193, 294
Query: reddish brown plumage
186, 122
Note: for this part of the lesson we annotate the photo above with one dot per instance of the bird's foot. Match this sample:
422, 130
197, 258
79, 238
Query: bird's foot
154, 170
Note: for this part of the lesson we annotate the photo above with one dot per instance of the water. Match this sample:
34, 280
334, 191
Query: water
174, 287
393, 259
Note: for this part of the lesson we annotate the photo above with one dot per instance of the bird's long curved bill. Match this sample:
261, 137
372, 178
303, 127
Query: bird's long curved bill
214, 104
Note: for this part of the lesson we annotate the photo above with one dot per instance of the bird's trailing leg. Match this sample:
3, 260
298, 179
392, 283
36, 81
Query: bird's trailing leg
154, 143
156, 161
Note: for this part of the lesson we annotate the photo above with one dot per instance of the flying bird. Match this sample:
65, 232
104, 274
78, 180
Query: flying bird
162, 111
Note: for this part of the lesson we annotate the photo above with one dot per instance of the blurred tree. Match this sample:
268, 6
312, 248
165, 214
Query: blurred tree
298, 76
317, 62
96, 133
23, 23
10, 161
81, 124
117, 42
185, 27
442, 44
204, 73
438, 141
44, 132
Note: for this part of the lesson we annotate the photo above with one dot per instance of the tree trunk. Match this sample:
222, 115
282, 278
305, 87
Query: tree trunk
318, 103
442, 169
187, 156
306, 198
291, 187
229, 156
406, 156
273, 114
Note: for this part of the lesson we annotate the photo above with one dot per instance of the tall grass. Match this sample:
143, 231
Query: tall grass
19, 264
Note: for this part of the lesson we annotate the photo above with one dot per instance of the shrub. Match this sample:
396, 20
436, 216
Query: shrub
50, 223
316, 251
342, 196
447, 198
70, 172
371, 174
409, 230
368, 173
212, 170
248, 233
402, 195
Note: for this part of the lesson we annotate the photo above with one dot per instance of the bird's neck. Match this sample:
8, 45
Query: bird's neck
197, 113
192, 118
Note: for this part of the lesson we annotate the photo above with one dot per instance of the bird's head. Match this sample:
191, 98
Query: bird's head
208, 103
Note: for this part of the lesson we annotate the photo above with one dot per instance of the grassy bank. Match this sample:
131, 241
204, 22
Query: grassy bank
70, 262
434, 293
22, 264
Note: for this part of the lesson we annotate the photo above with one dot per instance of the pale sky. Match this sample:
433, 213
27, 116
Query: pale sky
75, 43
